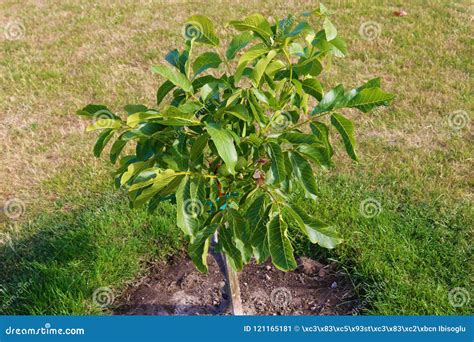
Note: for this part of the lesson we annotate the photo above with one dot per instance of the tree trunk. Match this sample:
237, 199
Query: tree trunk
232, 287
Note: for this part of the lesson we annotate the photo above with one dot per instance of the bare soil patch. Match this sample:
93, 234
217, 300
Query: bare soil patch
177, 288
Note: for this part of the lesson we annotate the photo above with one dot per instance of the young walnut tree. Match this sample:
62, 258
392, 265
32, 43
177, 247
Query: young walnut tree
233, 134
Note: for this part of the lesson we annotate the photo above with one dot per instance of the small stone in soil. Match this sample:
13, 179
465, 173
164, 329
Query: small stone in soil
309, 266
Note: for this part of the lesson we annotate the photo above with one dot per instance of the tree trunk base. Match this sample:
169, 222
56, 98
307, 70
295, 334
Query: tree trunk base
232, 287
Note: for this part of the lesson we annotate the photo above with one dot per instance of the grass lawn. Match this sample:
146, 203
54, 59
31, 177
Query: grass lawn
77, 233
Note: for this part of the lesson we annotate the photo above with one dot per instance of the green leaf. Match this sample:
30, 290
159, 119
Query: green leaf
298, 87
134, 119
249, 55
329, 29
233, 97
198, 249
177, 113
163, 180
224, 143
104, 124
206, 61
189, 108
102, 140
298, 138
345, 127
145, 129
308, 66
333, 99
173, 116
317, 153
201, 29
279, 244
322, 10
302, 27
272, 69
171, 187
202, 81
317, 231
163, 90
321, 131
177, 59
116, 149
238, 43
369, 98
257, 111
241, 232
313, 87
146, 177
135, 108
255, 23
260, 96
240, 112
304, 173
198, 147
296, 49
190, 201
278, 171
174, 76
254, 211
372, 83
259, 237
172, 57
226, 240
260, 67
91, 110
132, 169
338, 47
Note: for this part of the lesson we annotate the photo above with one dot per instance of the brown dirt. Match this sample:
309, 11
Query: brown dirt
176, 288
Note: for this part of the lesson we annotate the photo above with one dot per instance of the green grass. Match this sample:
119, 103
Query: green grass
405, 259
67, 256
77, 234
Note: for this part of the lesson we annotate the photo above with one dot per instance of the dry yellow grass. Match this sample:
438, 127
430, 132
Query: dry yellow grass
69, 54
55, 57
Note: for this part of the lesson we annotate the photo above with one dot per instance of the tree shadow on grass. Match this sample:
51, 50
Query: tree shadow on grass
37, 266
57, 263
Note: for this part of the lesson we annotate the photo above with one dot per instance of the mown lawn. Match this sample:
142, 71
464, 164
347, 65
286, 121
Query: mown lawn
77, 234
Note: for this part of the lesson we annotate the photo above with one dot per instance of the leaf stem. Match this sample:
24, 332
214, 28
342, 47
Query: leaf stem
305, 122
195, 174
224, 59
